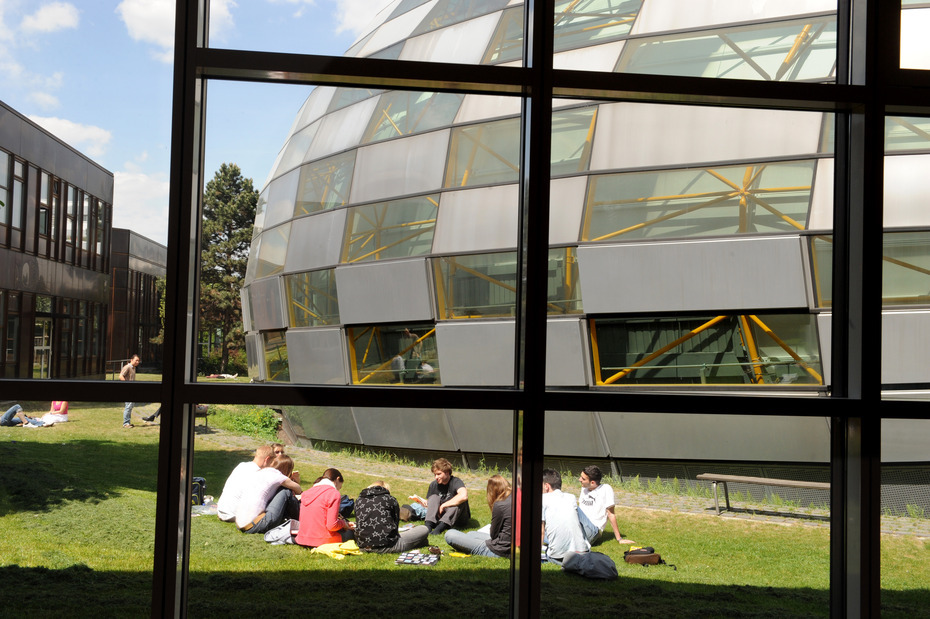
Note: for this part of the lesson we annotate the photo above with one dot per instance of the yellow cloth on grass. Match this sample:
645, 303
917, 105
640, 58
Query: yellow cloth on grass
338, 551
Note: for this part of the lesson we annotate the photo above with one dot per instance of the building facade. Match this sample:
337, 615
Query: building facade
136, 264
55, 225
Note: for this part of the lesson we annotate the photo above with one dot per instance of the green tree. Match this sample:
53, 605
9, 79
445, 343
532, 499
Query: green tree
160, 291
229, 202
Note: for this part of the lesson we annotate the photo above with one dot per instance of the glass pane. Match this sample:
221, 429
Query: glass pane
311, 299
572, 132
324, 184
402, 113
915, 19
906, 268
749, 349
484, 154
273, 251
394, 354
591, 22
397, 229
275, 350
476, 286
564, 285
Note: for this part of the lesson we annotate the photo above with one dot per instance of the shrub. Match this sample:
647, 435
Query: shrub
257, 421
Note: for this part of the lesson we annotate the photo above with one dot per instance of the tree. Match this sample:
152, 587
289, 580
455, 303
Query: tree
229, 202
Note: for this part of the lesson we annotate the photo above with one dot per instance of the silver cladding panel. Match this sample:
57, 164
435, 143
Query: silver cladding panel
905, 440
246, 312
330, 423
567, 359
315, 241
255, 354
405, 428
905, 354
732, 274
476, 353
724, 437
574, 434
317, 356
384, 292
482, 431
265, 299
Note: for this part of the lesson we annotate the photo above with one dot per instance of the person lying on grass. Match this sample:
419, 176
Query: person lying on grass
377, 515
496, 541
320, 522
269, 497
16, 417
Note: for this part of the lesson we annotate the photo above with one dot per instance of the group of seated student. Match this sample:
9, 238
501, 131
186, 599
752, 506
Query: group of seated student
571, 525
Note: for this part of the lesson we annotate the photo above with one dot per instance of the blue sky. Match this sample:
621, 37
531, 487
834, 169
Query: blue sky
97, 74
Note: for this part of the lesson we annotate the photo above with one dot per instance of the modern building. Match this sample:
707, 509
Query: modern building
136, 263
55, 225
690, 247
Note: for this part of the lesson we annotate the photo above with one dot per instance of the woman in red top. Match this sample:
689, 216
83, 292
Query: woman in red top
320, 522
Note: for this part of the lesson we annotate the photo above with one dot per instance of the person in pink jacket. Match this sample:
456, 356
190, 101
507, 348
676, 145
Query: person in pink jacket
320, 522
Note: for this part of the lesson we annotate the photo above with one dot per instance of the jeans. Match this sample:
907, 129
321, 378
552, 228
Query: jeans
591, 532
127, 412
472, 542
281, 506
409, 539
9, 417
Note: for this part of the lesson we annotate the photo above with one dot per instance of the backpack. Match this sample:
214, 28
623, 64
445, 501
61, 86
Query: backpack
590, 565
346, 506
645, 556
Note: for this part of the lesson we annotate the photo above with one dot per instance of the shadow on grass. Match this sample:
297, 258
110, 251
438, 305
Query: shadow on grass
39, 477
768, 512
80, 591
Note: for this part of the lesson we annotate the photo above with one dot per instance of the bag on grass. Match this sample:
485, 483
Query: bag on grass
590, 565
198, 490
346, 506
283, 533
645, 556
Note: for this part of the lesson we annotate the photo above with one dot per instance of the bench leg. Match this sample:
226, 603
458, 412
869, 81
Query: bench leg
716, 502
726, 494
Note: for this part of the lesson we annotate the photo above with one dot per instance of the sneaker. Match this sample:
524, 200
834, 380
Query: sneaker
128, 425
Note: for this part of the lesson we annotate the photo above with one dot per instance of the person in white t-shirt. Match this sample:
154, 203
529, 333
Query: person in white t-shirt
561, 530
269, 498
235, 483
596, 506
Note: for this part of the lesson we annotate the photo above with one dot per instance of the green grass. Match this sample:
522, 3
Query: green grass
77, 504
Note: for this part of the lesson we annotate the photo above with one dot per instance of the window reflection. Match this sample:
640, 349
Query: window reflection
394, 354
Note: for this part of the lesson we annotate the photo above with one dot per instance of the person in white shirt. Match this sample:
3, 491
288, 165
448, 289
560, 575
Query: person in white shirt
561, 529
596, 506
269, 498
235, 483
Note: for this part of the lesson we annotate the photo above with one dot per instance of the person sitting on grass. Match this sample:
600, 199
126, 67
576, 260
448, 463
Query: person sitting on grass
269, 497
236, 482
596, 507
446, 499
57, 413
497, 541
320, 522
561, 529
377, 515
16, 417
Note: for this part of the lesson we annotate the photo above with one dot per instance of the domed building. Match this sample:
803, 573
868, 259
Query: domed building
690, 247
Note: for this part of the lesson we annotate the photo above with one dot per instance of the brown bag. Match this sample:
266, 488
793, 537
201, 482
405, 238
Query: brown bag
645, 556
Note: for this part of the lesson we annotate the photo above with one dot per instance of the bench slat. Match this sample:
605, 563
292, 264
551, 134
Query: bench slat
765, 481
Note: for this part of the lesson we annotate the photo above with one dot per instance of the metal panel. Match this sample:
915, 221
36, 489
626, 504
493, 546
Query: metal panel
574, 434
282, 193
567, 359
399, 167
824, 330
905, 354
906, 191
246, 312
255, 355
733, 274
384, 292
462, 43
477, 220
566, 197
476, 353
725, 437
595, 58
905, 440
482, 431
317, 356
267, 306
405, 428
329, 423
315, 241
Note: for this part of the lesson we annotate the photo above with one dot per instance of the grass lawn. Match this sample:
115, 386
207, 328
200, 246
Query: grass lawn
77, 503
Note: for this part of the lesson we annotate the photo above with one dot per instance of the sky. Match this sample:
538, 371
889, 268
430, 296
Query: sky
98, 75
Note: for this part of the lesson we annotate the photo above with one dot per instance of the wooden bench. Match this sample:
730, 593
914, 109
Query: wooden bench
202, 411
715, 478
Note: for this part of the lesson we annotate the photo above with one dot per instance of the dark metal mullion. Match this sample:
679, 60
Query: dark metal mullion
175, 449
531, 320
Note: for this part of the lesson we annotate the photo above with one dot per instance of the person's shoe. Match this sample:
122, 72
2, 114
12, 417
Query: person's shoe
149, 419
439, 529
128, 425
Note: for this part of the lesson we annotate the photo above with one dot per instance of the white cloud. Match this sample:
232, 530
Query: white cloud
44, 100
89, 139
51, 18
347, 14
140, 203
152, 21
